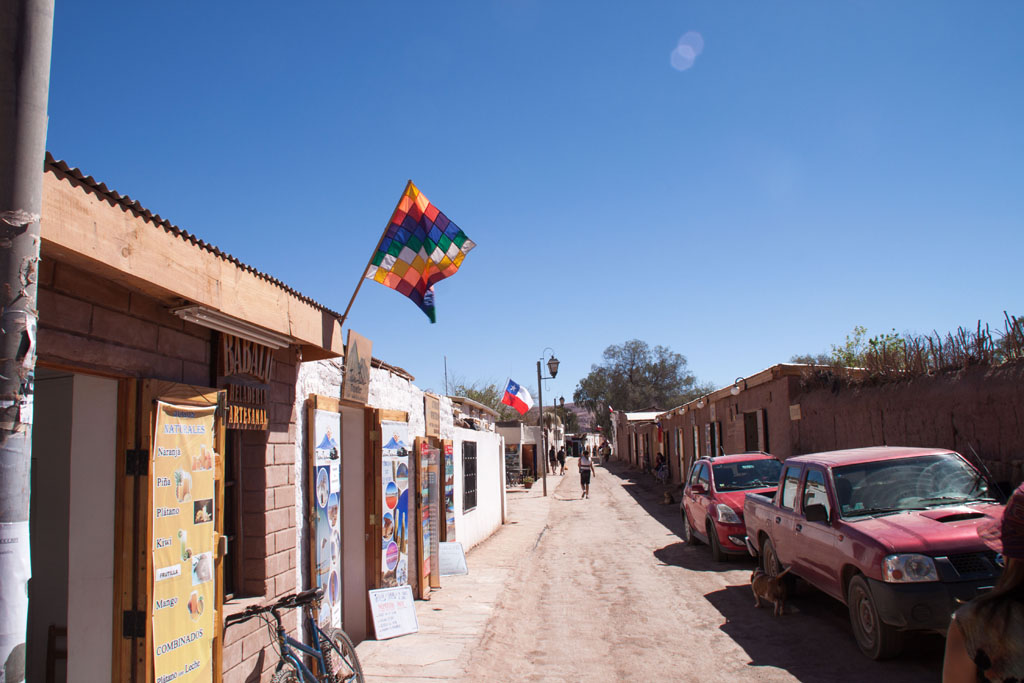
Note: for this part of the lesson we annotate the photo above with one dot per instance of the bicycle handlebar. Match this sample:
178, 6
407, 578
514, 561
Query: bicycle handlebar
287, 602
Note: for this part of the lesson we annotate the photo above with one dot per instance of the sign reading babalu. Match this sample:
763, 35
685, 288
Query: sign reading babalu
182, 471
355, 383
394, 613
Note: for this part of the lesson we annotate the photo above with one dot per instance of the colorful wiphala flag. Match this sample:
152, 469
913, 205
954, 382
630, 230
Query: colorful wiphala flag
420, 247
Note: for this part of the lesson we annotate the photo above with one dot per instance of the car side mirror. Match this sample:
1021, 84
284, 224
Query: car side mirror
816, 513
698, 488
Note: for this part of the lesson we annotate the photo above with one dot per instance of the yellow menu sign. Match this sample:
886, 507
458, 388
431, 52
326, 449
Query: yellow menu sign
182, 472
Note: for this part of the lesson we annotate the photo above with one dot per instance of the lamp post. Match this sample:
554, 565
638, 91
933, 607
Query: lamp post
553, 369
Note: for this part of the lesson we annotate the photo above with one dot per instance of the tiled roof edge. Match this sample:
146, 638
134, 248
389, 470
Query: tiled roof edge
62, 168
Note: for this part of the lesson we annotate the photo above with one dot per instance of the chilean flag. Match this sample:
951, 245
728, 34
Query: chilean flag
517, 397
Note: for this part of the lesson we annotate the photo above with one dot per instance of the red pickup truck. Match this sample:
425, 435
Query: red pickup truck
890, 532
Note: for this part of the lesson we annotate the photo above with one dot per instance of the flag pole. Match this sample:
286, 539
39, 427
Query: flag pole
362, 276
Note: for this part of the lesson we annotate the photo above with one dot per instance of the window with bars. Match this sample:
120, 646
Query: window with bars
468, 475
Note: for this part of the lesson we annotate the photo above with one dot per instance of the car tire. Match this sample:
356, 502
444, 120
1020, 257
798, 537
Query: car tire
688, 535
876, 639
769, 560
716, 549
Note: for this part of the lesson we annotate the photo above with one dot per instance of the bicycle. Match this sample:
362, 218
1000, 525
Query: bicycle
334, 655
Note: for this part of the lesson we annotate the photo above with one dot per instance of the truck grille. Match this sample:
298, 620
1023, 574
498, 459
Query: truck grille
974, 563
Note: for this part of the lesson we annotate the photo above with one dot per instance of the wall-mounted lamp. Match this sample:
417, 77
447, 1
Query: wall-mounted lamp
736, 389
700, 403
215, 320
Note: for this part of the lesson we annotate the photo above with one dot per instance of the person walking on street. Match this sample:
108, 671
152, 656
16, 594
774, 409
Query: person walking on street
551, 459
985, 641
586, 471
561, 461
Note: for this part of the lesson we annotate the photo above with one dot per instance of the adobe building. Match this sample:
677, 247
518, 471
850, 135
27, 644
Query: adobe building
791, 409
176, 466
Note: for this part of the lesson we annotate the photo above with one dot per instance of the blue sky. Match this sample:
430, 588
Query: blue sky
819, 165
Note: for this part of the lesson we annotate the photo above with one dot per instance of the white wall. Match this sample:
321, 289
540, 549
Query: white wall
474, 526
91, 527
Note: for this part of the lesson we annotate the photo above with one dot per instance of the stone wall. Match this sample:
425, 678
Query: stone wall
978, 408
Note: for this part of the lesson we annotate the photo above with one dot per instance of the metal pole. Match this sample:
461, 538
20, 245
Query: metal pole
543, 434
27, 33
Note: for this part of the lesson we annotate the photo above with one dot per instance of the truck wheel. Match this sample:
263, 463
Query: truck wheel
769, 560
876, 639
716, 549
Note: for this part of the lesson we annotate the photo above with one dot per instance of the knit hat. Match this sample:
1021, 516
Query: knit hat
1006, 535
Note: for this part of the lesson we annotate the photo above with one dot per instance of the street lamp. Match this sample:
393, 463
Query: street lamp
553, 369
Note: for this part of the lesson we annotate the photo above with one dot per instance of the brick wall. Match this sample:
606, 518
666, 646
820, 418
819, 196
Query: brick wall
268, 526
979, 408
93, 323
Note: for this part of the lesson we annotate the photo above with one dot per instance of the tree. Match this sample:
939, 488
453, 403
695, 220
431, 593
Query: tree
635, 376
812, 359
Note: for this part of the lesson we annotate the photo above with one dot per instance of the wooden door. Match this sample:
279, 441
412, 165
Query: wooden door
134, 522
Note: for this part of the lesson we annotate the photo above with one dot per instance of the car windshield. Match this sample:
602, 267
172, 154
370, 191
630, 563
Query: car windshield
890, 486
750, 474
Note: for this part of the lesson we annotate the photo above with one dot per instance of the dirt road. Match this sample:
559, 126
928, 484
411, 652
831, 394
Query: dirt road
610, 592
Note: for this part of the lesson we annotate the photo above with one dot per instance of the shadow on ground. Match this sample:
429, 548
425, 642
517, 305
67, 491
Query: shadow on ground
823, 623
811, 617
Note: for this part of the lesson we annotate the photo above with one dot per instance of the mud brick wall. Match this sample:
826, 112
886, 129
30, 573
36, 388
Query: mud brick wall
268, 525
979, 408
93, 323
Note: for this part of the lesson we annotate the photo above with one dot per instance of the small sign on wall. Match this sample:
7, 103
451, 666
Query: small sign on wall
394, 613
432, 415
794, 412
355, 383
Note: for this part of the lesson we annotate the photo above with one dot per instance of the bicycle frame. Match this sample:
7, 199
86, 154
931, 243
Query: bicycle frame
288, 643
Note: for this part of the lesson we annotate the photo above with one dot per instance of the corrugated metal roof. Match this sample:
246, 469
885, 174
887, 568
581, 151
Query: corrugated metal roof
62, 168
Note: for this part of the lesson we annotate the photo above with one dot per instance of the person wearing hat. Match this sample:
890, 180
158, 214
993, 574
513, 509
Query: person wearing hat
986, 637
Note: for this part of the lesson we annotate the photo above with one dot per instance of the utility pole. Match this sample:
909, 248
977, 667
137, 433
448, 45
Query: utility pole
26, 34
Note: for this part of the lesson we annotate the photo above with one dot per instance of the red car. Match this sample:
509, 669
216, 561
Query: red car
712, 503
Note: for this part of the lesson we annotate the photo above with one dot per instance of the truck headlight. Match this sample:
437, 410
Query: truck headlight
909, 568
726, 515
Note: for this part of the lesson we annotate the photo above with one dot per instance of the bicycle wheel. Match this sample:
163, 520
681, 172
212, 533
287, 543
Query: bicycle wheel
286, 674
340, 657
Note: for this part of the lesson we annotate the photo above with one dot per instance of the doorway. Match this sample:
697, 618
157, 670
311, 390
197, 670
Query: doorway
71, 592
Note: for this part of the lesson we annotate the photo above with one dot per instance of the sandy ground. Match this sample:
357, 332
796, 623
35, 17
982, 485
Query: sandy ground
610, 592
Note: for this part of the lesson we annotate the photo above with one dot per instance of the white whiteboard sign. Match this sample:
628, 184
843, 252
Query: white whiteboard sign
394, 613
452, 559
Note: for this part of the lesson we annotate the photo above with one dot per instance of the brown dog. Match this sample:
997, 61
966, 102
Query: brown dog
769, 588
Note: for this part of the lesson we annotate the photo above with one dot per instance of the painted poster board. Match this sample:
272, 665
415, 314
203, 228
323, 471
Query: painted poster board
325, 437
355, 382
395, 504
394, 613
183, 514
437, 524
427, 455
452, 559
449, 490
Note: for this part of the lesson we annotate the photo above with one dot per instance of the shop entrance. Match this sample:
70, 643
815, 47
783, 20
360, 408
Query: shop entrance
71, 593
